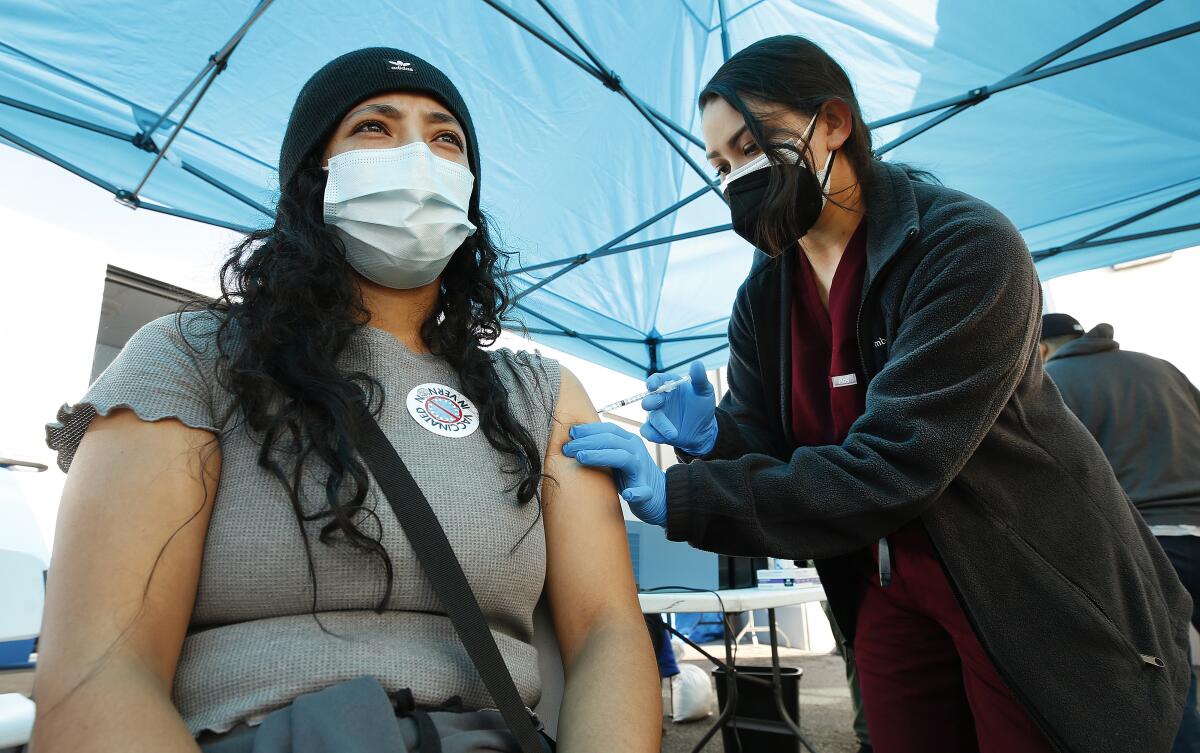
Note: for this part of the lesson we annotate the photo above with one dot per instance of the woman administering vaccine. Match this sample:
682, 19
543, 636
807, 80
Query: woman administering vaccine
888, 416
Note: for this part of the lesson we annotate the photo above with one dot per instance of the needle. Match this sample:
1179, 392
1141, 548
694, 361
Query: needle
642, 395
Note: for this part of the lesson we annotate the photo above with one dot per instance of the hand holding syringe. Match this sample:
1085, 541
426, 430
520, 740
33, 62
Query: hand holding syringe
667, 387
684, 418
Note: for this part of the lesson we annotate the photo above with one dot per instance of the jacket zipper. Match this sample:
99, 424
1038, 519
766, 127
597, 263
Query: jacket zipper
884, 552
862, 304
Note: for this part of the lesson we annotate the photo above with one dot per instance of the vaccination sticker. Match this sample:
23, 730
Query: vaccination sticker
443, 410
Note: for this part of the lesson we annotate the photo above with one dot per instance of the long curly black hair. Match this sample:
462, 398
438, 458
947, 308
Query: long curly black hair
290, 305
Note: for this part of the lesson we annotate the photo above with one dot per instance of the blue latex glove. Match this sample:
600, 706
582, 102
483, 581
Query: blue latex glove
642, 483
686, 416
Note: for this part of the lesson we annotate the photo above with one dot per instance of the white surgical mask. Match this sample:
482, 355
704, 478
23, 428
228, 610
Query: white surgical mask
401, 213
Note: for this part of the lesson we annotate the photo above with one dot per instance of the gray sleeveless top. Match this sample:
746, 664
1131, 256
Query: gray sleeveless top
254, 643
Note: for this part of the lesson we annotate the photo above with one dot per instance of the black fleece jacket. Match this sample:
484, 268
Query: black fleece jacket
1069, 593
1146, 416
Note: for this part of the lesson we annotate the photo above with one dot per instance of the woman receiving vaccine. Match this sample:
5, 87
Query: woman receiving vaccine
227, 573
888, 416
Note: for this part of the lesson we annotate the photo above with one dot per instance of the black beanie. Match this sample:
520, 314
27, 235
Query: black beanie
1057, 325
345, 81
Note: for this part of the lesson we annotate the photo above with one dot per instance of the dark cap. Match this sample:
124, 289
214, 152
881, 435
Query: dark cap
347, 80
1057, 325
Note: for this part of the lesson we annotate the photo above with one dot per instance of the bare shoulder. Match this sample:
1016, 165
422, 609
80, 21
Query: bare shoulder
574, 405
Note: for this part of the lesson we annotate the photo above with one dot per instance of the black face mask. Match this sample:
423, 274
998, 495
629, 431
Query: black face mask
750, 195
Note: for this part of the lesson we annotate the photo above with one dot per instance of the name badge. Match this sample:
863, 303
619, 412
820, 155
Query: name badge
443, 410
845, 380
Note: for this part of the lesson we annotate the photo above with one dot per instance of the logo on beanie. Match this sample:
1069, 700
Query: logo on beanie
400, 65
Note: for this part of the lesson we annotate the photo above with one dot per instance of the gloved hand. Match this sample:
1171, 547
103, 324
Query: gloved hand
641, 482
686, 416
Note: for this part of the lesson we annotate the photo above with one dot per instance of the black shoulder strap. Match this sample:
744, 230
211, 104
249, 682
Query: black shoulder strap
437, 558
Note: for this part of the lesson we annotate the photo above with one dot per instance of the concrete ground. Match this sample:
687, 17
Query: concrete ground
825, 713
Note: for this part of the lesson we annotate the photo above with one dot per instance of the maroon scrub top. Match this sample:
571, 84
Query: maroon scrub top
828, 386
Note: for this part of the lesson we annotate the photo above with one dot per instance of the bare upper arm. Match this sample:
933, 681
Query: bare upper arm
127, 551
589, 574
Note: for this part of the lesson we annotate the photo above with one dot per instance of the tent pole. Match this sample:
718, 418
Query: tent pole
637, 229
668, 122
572, 333
590, 69
725, 47
49, 157
696, 168
1140, 216
665, 240
562, 24
131, 198
1047, 253
186, 215
697, 357
554, 44
577, 261
585, 258
104, 131
590, 336
613, 81
1109, 54
226, 189
217, 60
216, 64
78, 123
975, 96
1090, 240
692, 338
1074, 44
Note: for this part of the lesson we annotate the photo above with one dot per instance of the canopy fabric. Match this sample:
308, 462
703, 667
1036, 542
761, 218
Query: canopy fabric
1079, 119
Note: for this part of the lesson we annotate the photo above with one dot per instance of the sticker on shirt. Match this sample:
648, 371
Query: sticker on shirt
443, 410
845, 380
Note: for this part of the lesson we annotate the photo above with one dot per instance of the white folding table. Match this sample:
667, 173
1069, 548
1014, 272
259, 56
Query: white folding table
727, 602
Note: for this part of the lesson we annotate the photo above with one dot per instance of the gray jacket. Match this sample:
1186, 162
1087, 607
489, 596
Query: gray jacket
1146, 416
1070, 595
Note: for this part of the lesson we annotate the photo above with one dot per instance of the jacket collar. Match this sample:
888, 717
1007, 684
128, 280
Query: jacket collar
892, 215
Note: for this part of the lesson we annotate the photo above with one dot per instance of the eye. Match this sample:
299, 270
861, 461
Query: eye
722, 170
369, 126
450, 137
749, 148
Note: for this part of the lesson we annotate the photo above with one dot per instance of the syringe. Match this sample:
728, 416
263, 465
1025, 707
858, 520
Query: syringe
643, 395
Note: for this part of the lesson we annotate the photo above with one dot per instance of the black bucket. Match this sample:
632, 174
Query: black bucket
756, 726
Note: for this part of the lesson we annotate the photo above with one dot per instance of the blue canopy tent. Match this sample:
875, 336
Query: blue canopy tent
1079, 119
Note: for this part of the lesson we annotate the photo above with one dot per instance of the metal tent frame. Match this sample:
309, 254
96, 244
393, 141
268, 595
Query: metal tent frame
586, 59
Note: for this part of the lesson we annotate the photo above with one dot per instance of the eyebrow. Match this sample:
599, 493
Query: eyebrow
433, 116
736, 137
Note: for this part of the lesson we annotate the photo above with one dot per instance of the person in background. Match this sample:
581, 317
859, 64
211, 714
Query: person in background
845, 649
1145, 415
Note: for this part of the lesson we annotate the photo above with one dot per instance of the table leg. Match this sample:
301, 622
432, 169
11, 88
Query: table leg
777, 683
